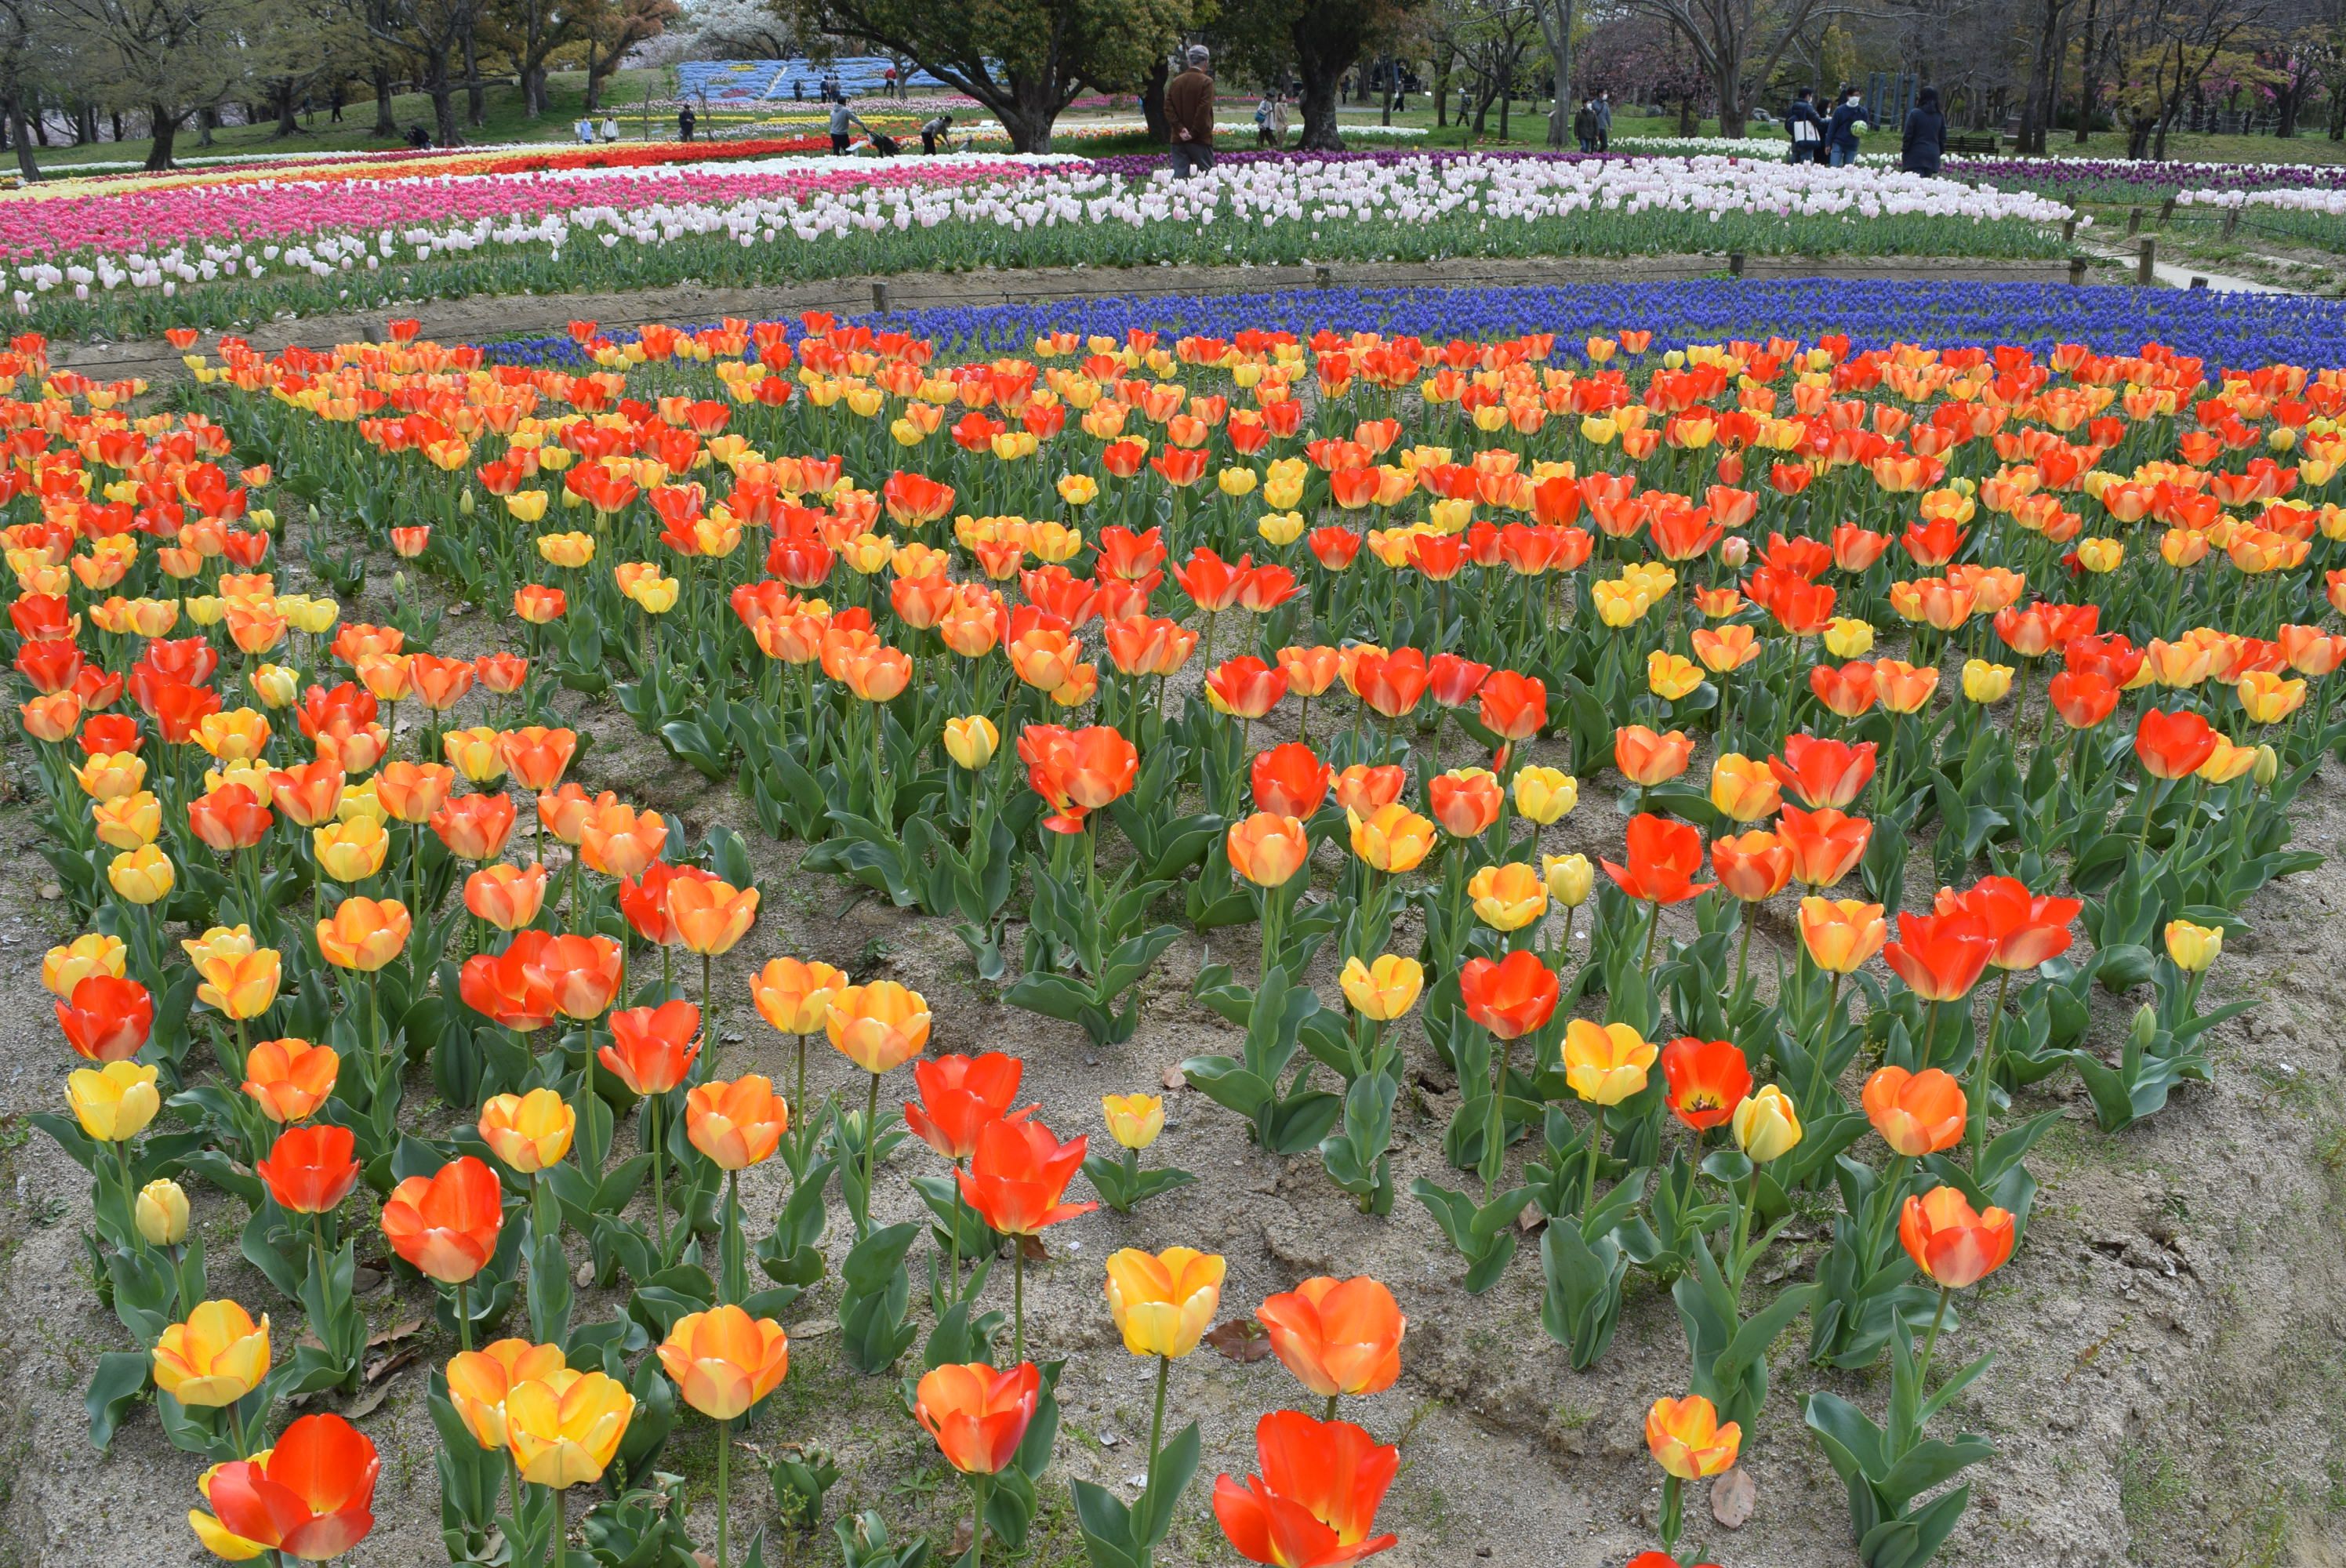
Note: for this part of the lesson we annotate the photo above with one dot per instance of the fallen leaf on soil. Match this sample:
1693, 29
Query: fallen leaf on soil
383, 1367
1732, 1496
405, 1329
1032, 1249
814, 1329
1242, 1340
366, 1404
1175, 1078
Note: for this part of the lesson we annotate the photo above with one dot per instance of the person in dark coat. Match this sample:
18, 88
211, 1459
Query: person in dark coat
684, 122
1584, 126
1190, 114
1841, 131
1806, 128
1926, 141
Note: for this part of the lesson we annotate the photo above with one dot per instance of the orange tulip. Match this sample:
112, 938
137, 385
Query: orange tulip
1753, 867
1017, 1176
736, 1125
1826, 844
796, 997
620, 841
508, 897
1337, 1338
1916, 1113
1268, 849
1687, 1440
1465, 800
364, 933
475, 827
290, 1079
652, 1048
977, 1413
1646, 759
580, 974
1841, 934
710, 916
724, 1361
1955, 1247
446, 1224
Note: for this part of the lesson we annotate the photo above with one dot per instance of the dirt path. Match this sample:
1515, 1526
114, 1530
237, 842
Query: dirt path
486, 318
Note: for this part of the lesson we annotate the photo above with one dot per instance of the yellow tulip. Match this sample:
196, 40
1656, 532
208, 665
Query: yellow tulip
1134, 1120
161, 1212
141, 876
563, 1428
1384, 989
114, 1103
1545, 795
528, 1132
1765, 1126
1164, 1302
1606, 1064
1570, 879
215, 1358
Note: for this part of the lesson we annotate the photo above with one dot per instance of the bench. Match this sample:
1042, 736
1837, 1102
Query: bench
1989, 144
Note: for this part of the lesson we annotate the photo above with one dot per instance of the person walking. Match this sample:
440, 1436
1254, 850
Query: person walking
841, 116
1583, 125
1604, 107
1190, 113
1806, 126
684, 123
1841, 131
1924, 142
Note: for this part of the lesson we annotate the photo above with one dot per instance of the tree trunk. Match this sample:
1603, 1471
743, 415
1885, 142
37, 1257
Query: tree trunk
1687, 125
593, 79
1152, 102
165, 129
385, 124
2088, 78
286, 124
477, 102
1321, 74
1555, 24
1442, 90
24, 164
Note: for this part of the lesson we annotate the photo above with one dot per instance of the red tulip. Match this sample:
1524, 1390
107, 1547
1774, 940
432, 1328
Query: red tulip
107, 1018
2027, 929
1664, 857
1948, 1242
1822, 773
505, 987
1017, 1175
959, 1096
311, 1497
1707, 1079
1315, 1501
1290, 780
1940, 957
1513, 997
2082, 697
2173, 745
311, 1168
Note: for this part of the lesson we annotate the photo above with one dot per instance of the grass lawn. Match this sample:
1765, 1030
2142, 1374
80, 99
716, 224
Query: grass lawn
505, 121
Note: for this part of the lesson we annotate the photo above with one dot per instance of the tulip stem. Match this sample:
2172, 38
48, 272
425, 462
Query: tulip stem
130, 1198
1017, 1300
1596, 1144
1653, 930
871, 1147
1931, 1343
513, 1484
1983, 1080
707, 1019
1157, 1420
652, 1104
724, 1485
1743, 950
464, 1315
1823, 1043
1331, 1414
1673, 1513
955, 1263
978, 1486
375, 1030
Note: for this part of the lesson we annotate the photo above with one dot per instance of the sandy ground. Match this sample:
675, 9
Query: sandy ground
2168, 1377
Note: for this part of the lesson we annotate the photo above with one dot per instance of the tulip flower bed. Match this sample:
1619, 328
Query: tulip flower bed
1305, 646
133, 265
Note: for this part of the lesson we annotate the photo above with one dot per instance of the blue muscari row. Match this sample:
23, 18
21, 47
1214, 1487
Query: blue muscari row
2226, 330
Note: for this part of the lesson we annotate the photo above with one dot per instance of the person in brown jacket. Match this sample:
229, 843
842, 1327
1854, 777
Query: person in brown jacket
1189, 111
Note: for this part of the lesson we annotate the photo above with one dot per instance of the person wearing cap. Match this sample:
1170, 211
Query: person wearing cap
1189, 112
